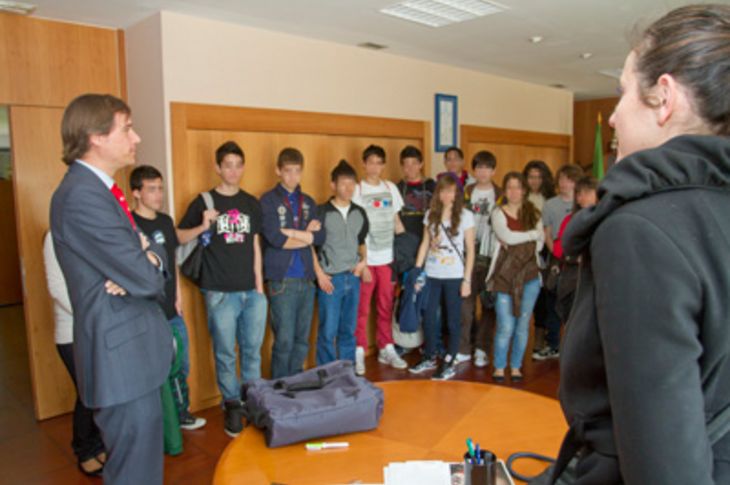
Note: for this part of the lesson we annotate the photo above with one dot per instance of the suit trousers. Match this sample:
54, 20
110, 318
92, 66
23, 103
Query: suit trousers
133, 435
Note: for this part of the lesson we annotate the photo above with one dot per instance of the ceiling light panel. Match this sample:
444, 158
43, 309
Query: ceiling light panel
438, 13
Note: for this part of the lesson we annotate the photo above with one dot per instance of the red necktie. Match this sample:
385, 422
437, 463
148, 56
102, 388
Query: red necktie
119, 195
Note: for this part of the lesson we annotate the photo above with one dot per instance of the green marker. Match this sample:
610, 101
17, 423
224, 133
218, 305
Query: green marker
470, 445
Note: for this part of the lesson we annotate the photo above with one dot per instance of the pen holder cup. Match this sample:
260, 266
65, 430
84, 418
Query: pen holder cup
483, 473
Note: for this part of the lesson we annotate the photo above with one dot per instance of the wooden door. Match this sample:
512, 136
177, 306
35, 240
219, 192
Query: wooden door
11, 291
38, 169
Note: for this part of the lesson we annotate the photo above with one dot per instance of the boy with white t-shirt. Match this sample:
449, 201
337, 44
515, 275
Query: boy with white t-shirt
480, 198
381, 201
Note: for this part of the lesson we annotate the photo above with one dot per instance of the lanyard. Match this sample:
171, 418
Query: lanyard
298, 216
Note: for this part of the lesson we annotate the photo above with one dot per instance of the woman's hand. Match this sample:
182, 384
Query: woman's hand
465, 289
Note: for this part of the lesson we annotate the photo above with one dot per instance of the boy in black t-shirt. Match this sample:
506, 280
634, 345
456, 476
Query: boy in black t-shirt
231, 278
416, 191
148, 191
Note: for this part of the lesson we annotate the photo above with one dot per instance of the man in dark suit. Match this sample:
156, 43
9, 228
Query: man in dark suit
122, 343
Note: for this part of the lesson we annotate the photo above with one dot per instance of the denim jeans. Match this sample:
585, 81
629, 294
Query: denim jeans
512, 328
292, 303
451, 290
236, 317
338, 319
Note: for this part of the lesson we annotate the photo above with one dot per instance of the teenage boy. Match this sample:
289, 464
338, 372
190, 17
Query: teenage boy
381, 201
231, 278
480, 198
339, 267
554, 211
290, 228
454, 163
415, 189
148, 191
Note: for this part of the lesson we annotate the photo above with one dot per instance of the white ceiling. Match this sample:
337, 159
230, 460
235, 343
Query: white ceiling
496, 44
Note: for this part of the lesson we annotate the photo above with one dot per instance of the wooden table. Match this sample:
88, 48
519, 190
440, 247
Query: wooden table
422, 420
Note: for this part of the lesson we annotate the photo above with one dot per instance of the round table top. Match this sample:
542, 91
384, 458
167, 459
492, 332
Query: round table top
422, 420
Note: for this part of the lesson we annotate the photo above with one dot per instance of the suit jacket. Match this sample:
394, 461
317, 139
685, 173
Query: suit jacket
122, 344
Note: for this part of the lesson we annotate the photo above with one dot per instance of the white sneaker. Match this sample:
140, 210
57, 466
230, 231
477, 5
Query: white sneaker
360, 361
389, 356
462, 358
480, 358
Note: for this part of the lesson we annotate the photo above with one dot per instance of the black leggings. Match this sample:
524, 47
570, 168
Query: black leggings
86, 441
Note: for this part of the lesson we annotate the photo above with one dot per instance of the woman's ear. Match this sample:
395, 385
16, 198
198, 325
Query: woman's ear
669, 96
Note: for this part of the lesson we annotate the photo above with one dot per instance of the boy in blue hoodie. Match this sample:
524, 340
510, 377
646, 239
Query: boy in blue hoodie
290, 228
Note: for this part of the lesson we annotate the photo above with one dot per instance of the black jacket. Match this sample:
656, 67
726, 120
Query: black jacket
646, 359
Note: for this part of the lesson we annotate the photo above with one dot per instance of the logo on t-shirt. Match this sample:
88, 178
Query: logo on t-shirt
158, 237
378, 203
234, 225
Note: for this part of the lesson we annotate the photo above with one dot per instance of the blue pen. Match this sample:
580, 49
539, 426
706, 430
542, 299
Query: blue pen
479, 455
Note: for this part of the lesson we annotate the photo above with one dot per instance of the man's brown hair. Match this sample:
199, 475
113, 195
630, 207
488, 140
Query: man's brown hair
89, 114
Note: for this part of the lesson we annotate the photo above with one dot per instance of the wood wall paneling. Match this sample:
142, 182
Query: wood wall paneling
37, 172
584, 127
45, 65
514, 148
323, 139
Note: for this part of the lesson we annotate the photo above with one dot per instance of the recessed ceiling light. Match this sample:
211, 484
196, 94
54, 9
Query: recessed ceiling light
20, 8
438, 13
586, 55
536, 39
372, 46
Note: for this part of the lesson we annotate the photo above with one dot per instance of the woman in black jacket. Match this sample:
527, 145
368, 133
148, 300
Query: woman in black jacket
645, 367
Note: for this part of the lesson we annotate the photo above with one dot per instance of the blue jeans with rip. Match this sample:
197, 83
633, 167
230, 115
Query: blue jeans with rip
292, 303
338, 319
511, 328
236, 317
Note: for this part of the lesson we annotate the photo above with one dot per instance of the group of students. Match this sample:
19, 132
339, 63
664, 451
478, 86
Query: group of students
352, 247
454, 241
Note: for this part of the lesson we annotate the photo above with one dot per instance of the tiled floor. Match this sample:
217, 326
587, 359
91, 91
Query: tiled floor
34, 452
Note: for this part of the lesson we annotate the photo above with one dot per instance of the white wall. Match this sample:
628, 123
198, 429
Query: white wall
146, 95
213, 62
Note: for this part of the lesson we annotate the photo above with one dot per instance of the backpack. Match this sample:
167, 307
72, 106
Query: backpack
189, 256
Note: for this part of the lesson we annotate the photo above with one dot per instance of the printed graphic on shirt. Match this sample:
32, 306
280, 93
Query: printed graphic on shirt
442, 252
233, 225
415, 201
158, 237
379, 208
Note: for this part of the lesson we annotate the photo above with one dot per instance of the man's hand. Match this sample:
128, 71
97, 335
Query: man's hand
152, 258
325, 282
114, 289
178, 304
143, 241
209, 217
367, 276
314, 225
359, 268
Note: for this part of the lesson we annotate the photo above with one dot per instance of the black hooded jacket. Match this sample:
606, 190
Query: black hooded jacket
645, 363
